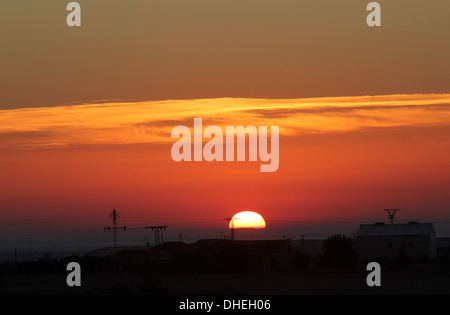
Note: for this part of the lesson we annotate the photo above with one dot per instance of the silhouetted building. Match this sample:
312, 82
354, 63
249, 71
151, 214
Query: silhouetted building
396, 241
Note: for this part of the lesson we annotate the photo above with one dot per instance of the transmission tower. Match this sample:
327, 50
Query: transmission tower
114, 215
232, 226
157, 229
391, 213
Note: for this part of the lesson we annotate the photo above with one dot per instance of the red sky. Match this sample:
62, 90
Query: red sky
341, 159
86, 113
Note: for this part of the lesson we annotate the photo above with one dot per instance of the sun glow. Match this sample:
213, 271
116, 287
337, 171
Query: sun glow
247, 219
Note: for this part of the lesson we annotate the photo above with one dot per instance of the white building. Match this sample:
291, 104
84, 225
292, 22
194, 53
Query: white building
413, 239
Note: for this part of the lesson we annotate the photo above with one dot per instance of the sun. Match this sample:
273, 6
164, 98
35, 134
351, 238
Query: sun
247, 219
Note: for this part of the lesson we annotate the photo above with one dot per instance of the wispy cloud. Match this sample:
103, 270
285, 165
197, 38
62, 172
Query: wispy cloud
147, 122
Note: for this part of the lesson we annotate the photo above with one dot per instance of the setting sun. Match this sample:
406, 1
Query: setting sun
247, 219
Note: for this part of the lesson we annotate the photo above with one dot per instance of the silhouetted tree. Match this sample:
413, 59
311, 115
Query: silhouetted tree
338, 252
301, 260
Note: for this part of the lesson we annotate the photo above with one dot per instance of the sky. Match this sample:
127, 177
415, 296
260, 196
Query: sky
176, 49
86, 114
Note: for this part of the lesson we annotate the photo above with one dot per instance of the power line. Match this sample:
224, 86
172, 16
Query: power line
45, 221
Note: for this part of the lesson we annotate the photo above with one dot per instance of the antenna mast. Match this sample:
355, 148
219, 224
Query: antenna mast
391, 213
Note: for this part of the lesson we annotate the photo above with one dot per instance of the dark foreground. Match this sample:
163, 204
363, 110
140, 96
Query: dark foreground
316, 282
221, 267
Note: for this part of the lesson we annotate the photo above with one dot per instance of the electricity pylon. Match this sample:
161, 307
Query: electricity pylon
114, 215
157, 229
231, 226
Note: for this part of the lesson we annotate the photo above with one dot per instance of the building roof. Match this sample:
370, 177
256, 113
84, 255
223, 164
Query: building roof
380, 229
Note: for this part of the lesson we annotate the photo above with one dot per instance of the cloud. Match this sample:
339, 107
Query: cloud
329, 110
147, 122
